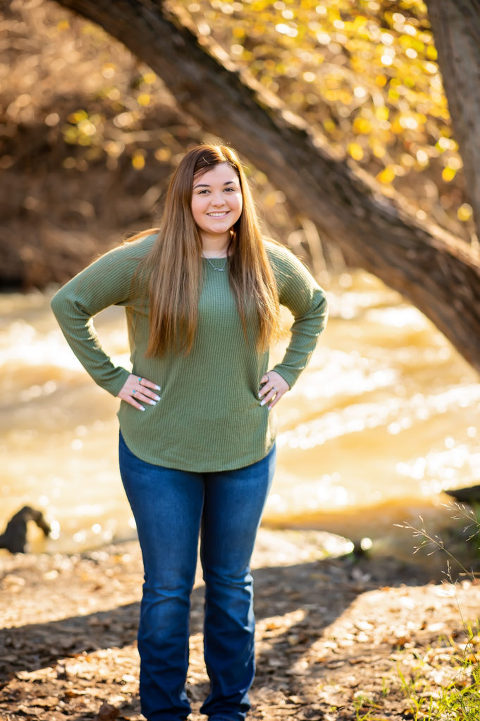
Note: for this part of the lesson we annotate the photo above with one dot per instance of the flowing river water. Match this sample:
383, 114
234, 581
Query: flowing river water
384, 418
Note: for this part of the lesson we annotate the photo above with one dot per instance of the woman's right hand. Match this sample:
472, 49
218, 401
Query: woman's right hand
138, 389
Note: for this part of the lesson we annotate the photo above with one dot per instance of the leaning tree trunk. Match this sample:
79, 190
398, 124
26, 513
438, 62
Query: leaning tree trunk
456, 28
434, 270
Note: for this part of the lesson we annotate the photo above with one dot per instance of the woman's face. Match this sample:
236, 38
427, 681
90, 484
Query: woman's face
216, 201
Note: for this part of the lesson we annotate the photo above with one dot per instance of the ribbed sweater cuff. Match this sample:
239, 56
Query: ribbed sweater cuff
287, 374
115, 385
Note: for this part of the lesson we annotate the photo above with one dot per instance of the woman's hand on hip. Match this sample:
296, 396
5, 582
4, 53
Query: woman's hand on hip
273, 388
139, 389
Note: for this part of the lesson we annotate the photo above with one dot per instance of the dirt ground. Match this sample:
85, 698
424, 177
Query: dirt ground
335, 636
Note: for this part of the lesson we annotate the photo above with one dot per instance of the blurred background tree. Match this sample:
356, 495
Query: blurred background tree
371, 166
456, 26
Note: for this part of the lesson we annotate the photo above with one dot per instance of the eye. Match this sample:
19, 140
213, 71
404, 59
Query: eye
204, 191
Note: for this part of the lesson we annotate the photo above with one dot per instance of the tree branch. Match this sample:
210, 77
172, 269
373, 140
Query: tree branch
435, 271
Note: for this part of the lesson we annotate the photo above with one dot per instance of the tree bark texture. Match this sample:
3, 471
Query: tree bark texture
456, 28
435, 271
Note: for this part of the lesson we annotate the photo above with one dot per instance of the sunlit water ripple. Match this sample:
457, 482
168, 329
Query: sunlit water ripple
384, 418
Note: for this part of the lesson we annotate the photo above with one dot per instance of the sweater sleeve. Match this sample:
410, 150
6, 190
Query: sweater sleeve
105, 282
306, 300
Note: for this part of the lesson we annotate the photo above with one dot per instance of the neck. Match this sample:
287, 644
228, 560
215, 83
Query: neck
215, 246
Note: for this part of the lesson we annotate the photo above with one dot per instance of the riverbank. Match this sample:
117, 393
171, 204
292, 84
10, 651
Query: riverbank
333, 634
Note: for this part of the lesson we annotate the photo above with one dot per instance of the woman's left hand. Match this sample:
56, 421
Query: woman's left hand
273, 389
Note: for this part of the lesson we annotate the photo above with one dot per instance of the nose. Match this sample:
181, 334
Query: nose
217, 200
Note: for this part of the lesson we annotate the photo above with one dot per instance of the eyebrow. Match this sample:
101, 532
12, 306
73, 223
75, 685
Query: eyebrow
206, 185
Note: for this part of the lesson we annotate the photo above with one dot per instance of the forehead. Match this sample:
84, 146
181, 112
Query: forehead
219, 174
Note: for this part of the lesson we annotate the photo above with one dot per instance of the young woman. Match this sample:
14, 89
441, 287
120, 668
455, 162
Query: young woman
196, 442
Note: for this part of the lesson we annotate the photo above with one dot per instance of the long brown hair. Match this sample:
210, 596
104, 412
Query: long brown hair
173, 267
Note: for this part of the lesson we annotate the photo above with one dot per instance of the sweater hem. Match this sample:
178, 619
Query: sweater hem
195, 467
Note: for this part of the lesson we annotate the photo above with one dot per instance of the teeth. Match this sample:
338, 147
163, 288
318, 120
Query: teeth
217, 215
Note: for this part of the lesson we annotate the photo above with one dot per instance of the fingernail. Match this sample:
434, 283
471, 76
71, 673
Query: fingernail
262, 403
158, 387
142, 408
157, 398
153, 403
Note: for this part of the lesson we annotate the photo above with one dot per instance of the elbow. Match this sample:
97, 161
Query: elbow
321, 308
322, 302
56, 303
62, 304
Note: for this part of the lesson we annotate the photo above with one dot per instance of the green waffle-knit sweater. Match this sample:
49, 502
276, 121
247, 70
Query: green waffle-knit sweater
209, 417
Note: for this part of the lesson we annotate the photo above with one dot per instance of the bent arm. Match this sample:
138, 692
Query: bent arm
302, 295
104, 282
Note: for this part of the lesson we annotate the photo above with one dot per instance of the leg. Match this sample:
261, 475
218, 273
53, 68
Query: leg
167, 506
234, 502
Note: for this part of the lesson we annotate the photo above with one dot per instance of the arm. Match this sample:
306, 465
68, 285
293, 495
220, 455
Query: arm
105, 282
302, 295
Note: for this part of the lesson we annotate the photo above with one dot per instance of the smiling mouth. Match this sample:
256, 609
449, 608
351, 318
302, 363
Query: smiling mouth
218, 215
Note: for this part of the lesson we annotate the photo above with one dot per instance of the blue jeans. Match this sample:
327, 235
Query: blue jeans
171, 508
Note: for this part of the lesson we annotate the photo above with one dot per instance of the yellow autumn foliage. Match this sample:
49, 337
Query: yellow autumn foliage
363, 72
